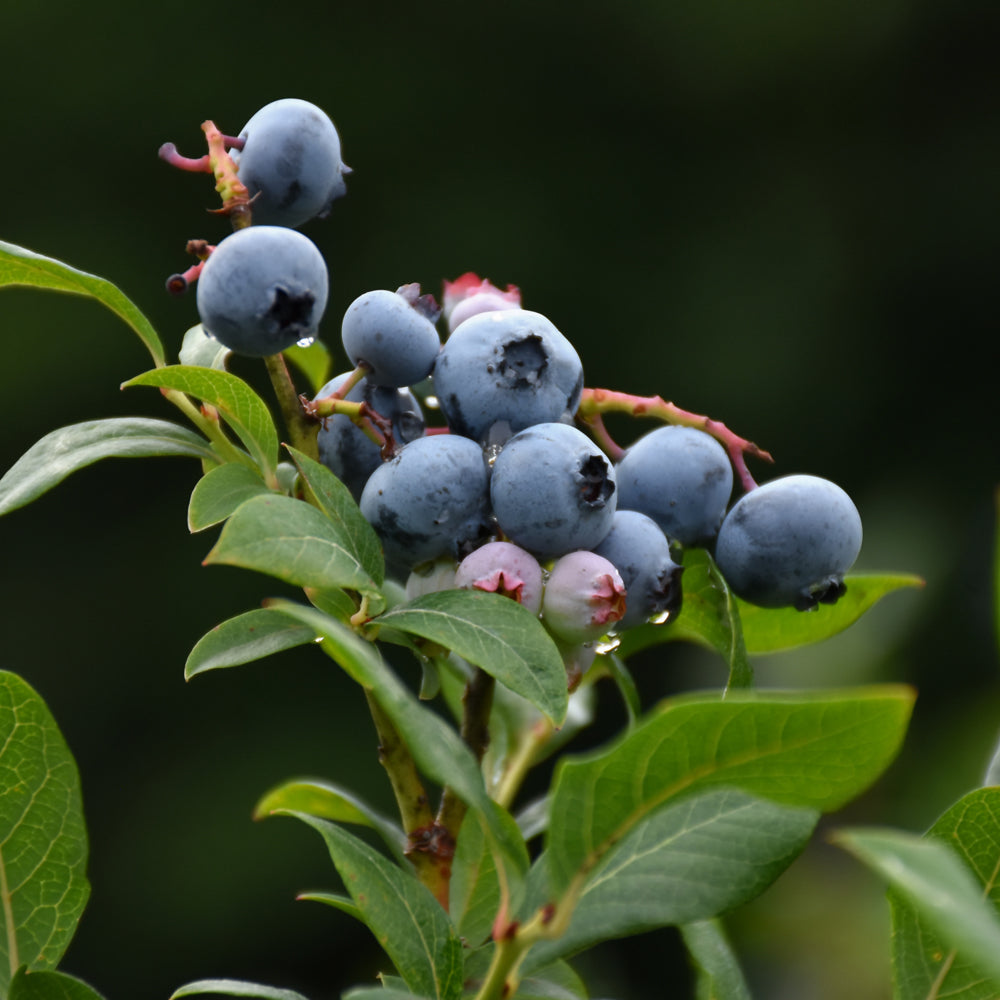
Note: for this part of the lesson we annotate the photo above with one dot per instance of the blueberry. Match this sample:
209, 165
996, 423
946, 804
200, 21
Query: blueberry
346, 450
577, 657
290, 163
553, 490
263, 289
584, 597
504, 370
682, 478
393, 334
470, 295
430, 500
431, 577
640, 551
789, 543
503, 568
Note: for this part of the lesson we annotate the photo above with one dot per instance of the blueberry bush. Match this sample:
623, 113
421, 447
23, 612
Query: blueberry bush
482, 559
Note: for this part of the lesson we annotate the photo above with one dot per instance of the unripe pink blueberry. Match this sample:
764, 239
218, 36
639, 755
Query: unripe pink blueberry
584, 597
577, 658
469, 295
503, 568
430, 578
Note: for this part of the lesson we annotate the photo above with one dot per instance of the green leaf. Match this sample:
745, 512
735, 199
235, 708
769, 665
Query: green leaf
62, 452
334, 602
343, 903
533, 819
555, 982
689, 860
293, 541
406, 919
929, 876
817, 750
43, 840
772, 630
623, 680
475, 893
23, 267
513, 722
235, 988
708, 615
437, 749
381, 993
718, 973
920, 960
220, 491
245, 638
200, 348
326, 492
49, 986
313, 361
329, 801
236, 402
495, 633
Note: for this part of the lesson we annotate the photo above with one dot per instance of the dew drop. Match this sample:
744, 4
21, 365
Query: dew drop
608, 644
305, 342
661, 619
432, 403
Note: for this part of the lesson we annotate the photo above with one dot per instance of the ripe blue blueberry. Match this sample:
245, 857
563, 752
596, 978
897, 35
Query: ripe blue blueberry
584, 598
290, 163
430, 500
345, 449
263, 289
640, 551
503, 568
394, 334
682, 478
504, 370
789, 543
552, 489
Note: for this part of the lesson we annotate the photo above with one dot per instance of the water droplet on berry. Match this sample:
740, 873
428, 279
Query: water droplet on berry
609, 643
305, 342
432, 403
661, 619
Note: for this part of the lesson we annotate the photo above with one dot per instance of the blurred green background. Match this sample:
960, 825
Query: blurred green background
784, 215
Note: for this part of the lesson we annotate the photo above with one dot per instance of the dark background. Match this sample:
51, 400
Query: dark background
781, 214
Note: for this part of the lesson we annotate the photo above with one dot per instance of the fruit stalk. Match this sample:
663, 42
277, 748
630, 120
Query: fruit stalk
477, 702
595, 402
234, 194
302, 429
425, 848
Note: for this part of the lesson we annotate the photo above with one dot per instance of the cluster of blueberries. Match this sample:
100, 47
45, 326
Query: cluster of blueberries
509, 495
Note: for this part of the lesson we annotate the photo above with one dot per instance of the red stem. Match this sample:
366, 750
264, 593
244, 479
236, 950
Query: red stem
198, 165
596, 402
